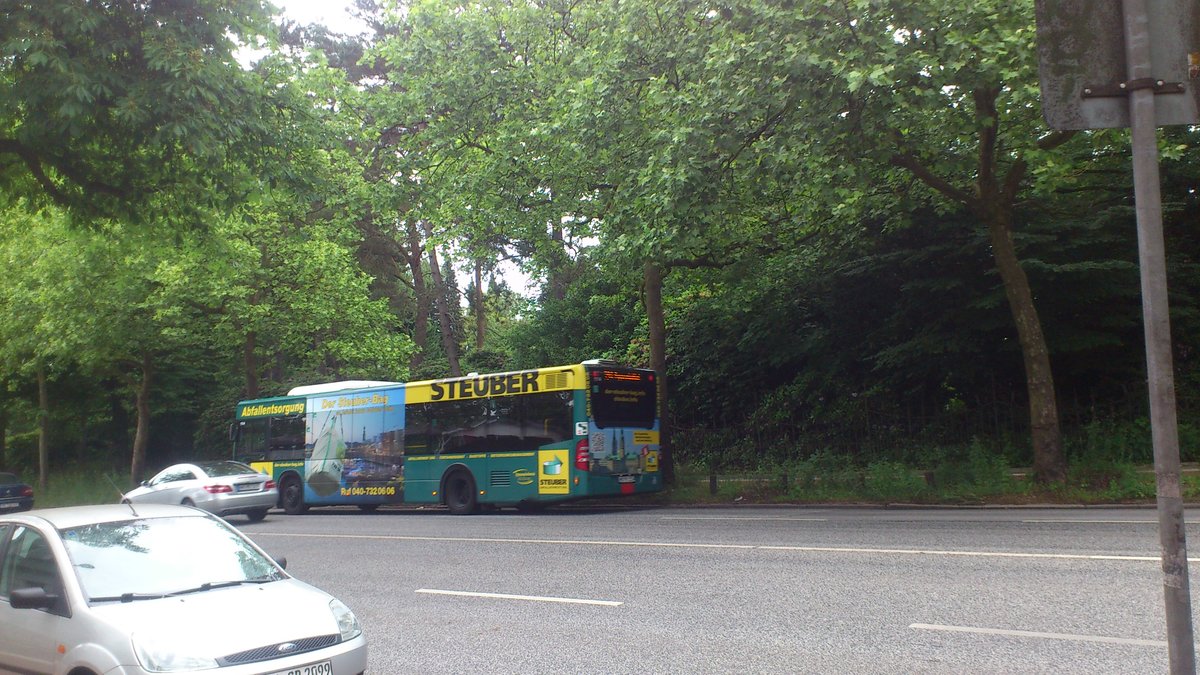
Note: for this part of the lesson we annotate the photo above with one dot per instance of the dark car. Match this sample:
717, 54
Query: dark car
14, 494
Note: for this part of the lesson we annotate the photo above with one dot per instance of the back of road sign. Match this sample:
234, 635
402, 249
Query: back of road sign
1081, 62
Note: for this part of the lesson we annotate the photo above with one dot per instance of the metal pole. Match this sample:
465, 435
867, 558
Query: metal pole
1155, 316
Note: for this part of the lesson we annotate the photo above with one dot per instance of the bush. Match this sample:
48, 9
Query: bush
824, 476
974, 471
21, 455
893, 481
1113, 441
1109, 481
94, 485
1189, 442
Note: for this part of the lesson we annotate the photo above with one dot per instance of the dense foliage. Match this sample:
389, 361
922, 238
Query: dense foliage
840, 232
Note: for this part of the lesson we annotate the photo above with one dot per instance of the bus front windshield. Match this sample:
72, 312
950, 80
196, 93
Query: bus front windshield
623, 398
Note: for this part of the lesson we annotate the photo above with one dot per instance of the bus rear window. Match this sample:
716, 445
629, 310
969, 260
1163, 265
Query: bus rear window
623, 398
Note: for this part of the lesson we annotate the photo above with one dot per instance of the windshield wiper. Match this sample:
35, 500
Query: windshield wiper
129, 597
206, 586
210, 585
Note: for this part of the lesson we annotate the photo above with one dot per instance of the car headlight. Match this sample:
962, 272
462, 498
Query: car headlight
165, 654
346, 621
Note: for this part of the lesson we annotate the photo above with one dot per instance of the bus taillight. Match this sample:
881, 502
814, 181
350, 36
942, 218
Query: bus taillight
582, 455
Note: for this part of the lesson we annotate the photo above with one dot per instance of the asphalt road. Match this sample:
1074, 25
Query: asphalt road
742, 590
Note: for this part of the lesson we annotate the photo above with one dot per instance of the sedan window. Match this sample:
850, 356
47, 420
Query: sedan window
29, 563
214, 469
175, 475
4, 573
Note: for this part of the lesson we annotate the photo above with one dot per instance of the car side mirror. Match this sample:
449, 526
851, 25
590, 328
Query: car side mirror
281, 561
31, 598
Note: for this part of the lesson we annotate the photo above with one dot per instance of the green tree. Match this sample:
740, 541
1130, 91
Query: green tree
135, 110
944, 97
289, 300
32, 342
559, 123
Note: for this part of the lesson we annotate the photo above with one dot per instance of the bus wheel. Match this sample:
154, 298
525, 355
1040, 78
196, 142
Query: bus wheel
460, 493
291, 494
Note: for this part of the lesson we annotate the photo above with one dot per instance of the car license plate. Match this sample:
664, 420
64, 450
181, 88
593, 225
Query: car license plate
626, 479
10, 505
322, 668
247, 487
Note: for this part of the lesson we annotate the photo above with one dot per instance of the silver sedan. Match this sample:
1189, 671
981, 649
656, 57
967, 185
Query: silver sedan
138, 589
222, 487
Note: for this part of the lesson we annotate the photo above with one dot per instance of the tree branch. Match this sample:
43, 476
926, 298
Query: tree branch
915, 167
34, 164
1012, 181
989, 130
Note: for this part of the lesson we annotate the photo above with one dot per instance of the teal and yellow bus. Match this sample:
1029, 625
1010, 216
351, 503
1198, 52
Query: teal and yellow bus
526, 439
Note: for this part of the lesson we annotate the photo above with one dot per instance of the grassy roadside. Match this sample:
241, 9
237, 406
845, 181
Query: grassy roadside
80, 486
892, 483
814, 482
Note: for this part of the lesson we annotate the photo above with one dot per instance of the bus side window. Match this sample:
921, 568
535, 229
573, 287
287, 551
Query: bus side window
286, 438
417, 432
252, 439
548, 418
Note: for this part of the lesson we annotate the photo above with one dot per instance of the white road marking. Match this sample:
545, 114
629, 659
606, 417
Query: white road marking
741, 547
1089, 522
1045, 636
806, 520
966, 554
534, 598
490, 540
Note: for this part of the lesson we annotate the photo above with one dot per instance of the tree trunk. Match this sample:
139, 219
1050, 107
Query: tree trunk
250, 364
1049, 464
480, 310
992, 201
421, 295
557, 277
443, 310
3, 424
43, 429
652, 277
141, 437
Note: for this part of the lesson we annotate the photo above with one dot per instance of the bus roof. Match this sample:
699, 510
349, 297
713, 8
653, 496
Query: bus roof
330, 387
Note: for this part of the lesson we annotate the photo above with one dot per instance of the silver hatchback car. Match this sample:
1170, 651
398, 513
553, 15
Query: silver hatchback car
159, 589
221, 487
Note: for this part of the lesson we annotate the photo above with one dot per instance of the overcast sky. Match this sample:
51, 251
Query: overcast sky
331, 13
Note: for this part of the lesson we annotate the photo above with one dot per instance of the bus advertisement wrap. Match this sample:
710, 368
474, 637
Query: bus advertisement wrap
354, 446
521, 438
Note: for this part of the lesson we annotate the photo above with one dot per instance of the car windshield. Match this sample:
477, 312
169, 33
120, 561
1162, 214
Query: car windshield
225, 468
9, 478
151, 557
